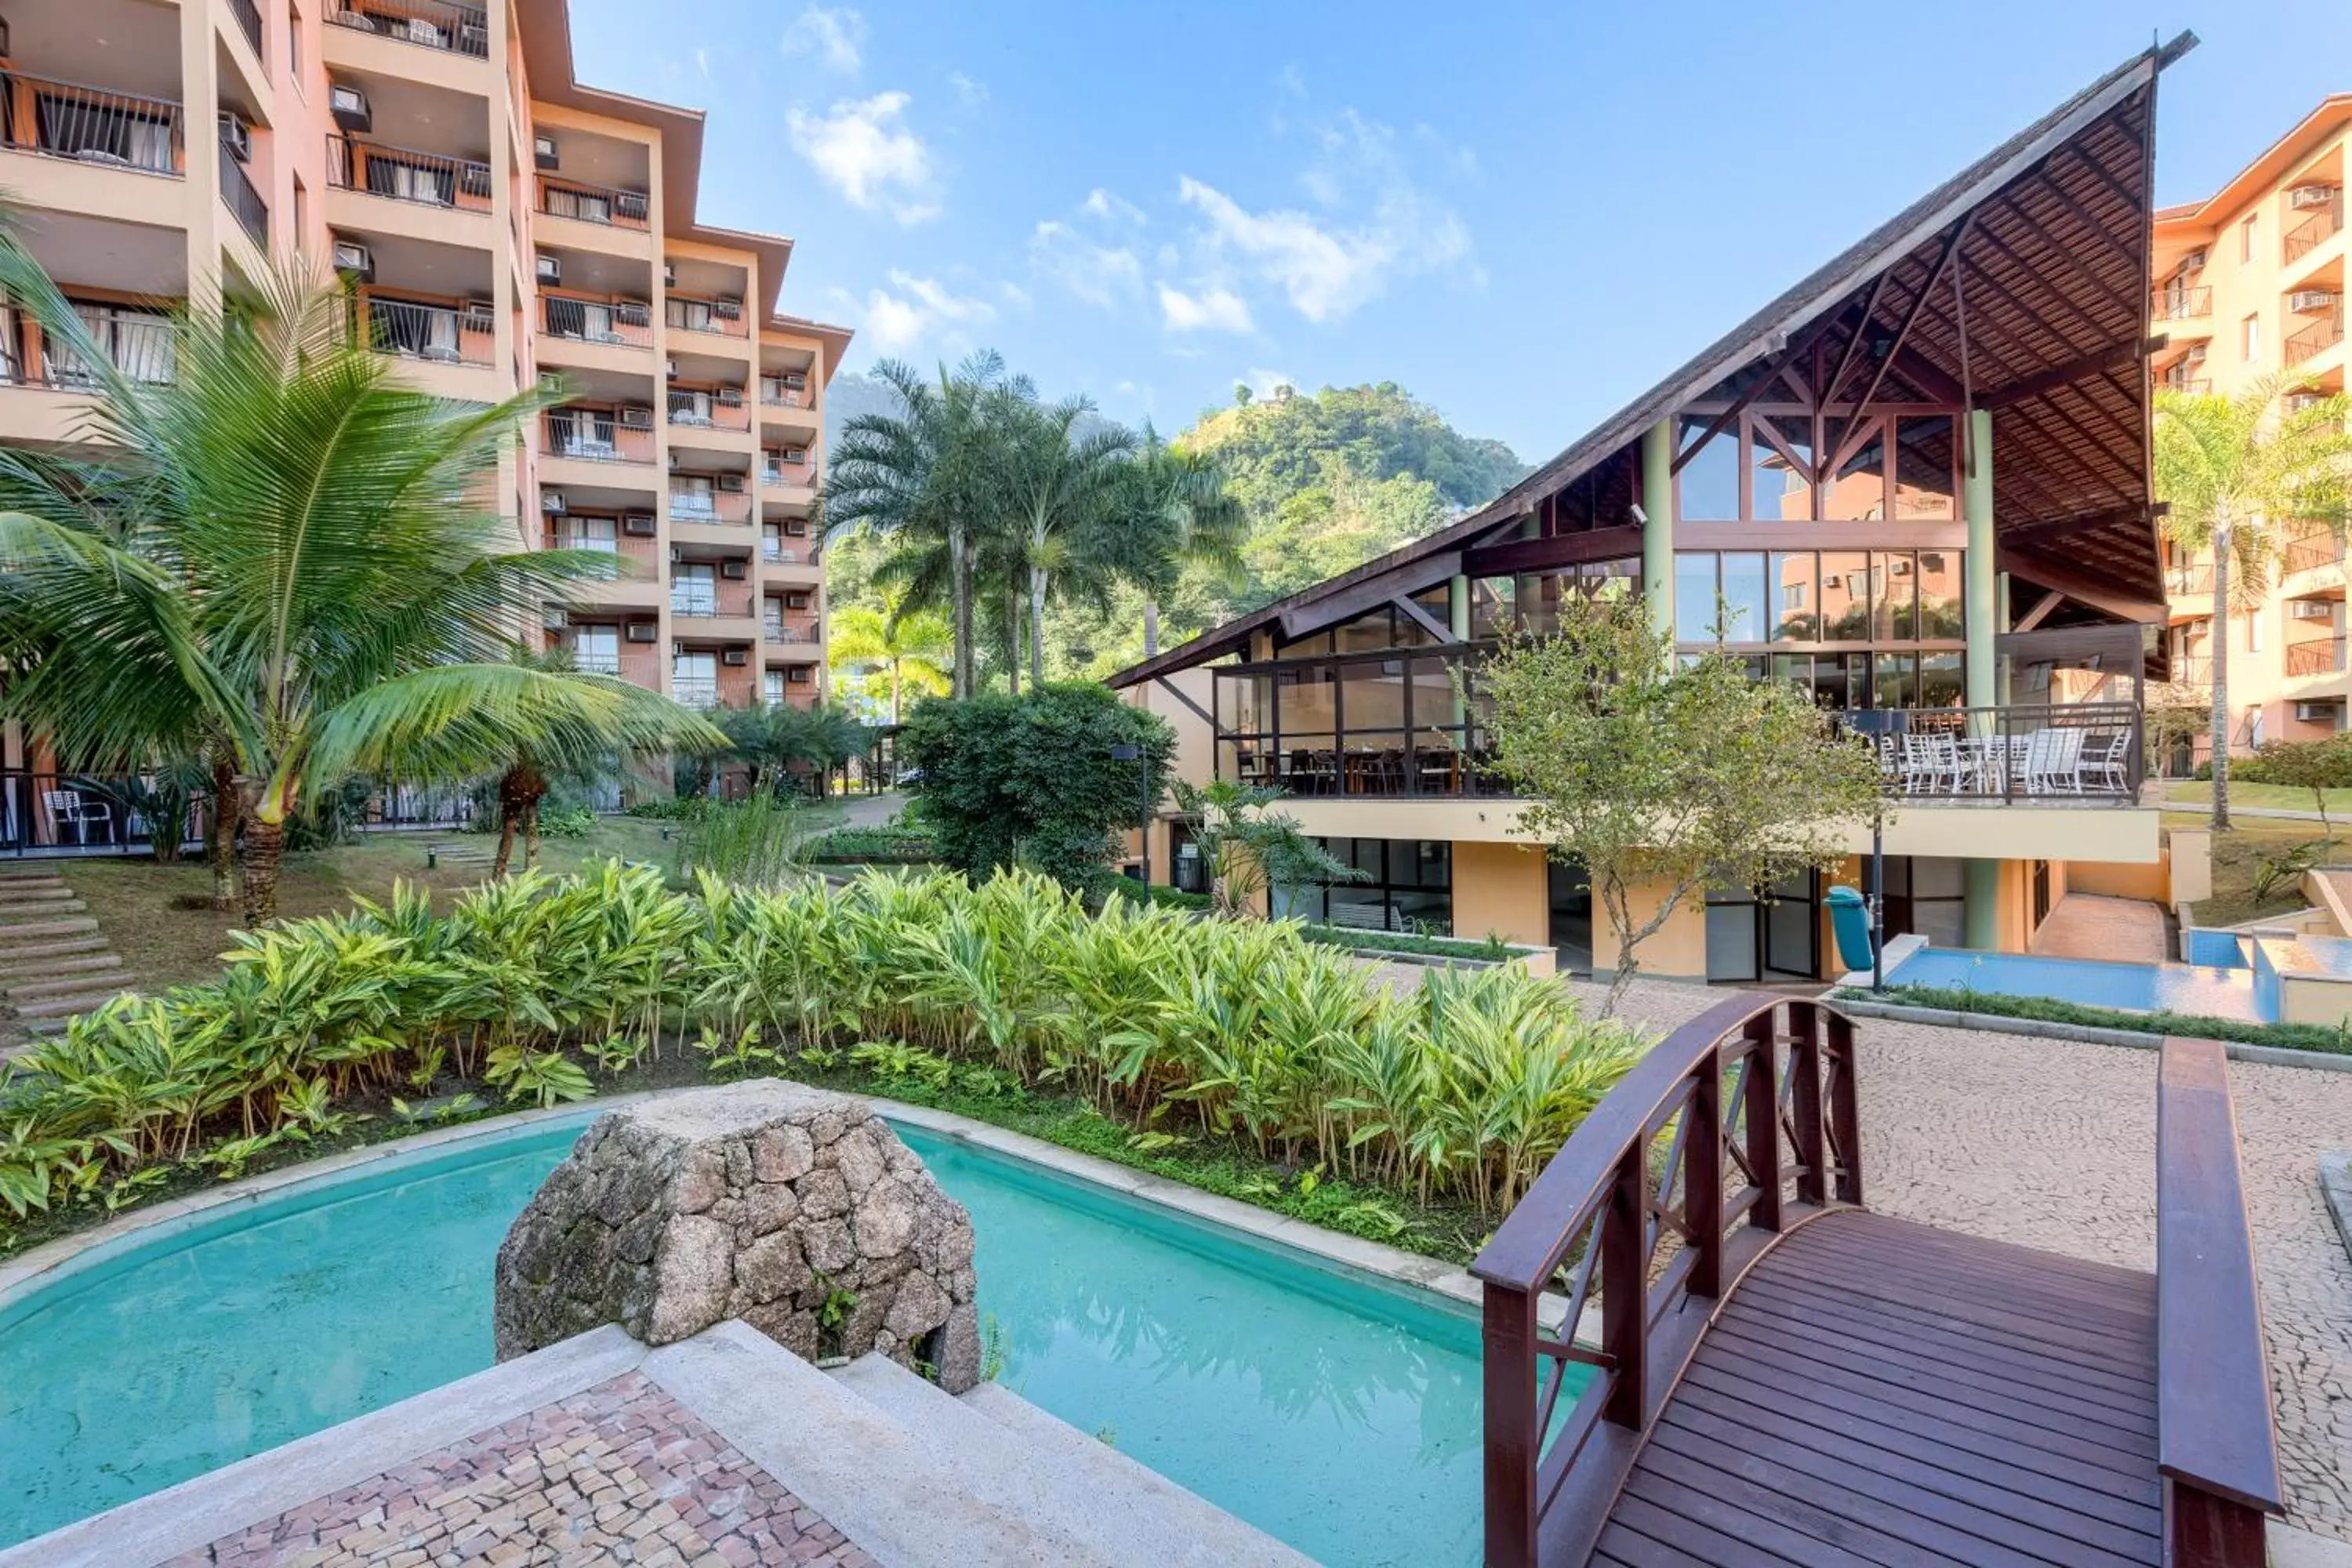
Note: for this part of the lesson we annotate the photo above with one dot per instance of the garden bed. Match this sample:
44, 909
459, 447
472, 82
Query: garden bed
1408, 948
2306, 1037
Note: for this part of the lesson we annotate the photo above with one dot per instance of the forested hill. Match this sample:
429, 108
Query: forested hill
1334, 479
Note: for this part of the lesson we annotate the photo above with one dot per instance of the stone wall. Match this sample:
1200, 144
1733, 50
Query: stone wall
797, 1210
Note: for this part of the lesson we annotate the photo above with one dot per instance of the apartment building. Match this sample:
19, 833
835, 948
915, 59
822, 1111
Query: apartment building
2247, 283
1916, 484
499, 223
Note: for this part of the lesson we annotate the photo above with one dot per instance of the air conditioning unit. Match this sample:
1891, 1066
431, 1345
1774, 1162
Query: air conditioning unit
796, 454
795, 380
2317, 712
542, 153
637, 524
2310, 610
349, 106
733, 570
727, 307
355, 259
796, 528
735, 658
2193, 261
798, 675
236, 136
551, 380
676, 554
669, 274
553, 618
2304, 197
669, 368
643, 631
731, 397
731, 484
550, 269
796, 601
551, 502
638, 416
675, 647
2312, 301
629, 204
633, 314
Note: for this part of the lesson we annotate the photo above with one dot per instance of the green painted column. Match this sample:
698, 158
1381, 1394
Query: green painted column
1658, 533
2004, 616
1978, 606
1980, 913
1457, 606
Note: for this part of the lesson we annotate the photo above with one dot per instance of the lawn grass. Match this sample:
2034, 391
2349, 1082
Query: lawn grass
2238, 855
2277, 797
136, 902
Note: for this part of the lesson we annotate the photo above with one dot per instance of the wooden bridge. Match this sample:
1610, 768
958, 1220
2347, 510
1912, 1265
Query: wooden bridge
1783, 1377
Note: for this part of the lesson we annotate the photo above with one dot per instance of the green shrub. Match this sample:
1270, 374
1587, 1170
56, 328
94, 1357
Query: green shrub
678, 808
2049, 1010
891, 841
755, 840
1493, 950
1159, 893
1184, 1028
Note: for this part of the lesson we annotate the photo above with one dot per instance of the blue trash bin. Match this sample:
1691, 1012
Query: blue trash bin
1849, 917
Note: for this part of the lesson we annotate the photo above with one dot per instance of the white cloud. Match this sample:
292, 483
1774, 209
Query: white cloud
834, 35
862, 148
1378, 226
1292, 82
702, 63
1015, 296
912, 309
1209, 310
970, 93
1105, 276
1111, 208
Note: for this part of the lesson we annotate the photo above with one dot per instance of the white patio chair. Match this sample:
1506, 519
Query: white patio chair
69, 809
2109, 766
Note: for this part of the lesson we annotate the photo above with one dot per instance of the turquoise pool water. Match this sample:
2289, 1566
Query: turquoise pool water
1338, 1413
2208, 990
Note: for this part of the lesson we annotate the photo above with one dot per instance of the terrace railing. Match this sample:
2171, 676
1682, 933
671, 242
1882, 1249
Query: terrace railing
447, 334
140, 343
702, 695
92, 124
248, 22
2313, 551
723, 318
2192, 579
709, 410
2182, 304
2310, 234
598, 435
408, 174
2066, 752
594, 204
2313, 340
2193, 669
244, 202
589, 319
47, 812
775, 393
2319, 656
459, 29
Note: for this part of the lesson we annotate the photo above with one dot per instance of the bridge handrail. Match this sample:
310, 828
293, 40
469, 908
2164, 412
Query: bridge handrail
2217, 1447
1719, 1079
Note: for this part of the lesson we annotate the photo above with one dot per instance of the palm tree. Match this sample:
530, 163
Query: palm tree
915, 647
2235, 472
921, 477
290, 553
644, 721
1059, 489
1189, 519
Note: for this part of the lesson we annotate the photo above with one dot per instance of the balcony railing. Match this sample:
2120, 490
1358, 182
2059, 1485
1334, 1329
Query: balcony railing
2320, 656
444, 334
709, 410
244, 202
49, 813
789, 627
141, 343
593, 204
406, 175
2310, 234
2313, 338
723, 318
92, 125
694, 693
459, 29
2194, 385
590, 318
2313, 552
598, 435
775, 394
2182, 304
775, 471
248, 22
704, 602
2083, 750
2192, 579
787, 552
2193, 669
698, 505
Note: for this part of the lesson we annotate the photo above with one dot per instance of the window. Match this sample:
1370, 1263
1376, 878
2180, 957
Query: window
1834, 595
301, 211
692, 496
694, 589
1709, 486
294, 46
1410, 887
694, 679
596, 650
590, 533
2246, 236
771, 686
2250, 337
2255, 632
2254, 726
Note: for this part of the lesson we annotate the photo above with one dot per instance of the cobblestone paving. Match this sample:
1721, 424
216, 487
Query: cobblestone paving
2091, 925
620, 1474
2050, 1143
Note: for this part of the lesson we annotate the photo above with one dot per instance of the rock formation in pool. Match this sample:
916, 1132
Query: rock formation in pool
797, 1210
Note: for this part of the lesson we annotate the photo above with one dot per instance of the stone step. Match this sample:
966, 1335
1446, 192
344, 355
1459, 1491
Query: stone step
1190, 1527
14, 973
65, 1006
1043, 1468
27, 871
73, 925
883, 1487
13, 915
32, 890
18, 955
43, 1028
64, 985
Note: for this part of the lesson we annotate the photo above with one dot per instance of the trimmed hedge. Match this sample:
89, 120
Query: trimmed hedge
2049, 1010
1493, 949
888, 843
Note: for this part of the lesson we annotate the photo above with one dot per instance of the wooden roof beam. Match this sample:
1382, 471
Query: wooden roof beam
2105, 361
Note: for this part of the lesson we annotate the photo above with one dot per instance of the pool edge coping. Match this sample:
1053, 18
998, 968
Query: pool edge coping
2085, 1034
1392, 1264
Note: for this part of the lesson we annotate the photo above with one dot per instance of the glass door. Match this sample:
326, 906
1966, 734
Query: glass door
1793, 927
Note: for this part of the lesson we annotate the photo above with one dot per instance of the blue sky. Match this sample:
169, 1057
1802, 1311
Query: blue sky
1523, 213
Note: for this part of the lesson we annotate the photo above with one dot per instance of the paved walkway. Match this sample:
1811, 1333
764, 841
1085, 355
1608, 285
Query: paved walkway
2091, 925
2052, 1144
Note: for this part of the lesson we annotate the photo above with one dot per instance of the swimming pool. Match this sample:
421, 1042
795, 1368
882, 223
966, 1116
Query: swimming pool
1336, 1412
2207, 990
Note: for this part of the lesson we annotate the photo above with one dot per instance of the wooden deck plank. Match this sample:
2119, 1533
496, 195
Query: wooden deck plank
1882, 1393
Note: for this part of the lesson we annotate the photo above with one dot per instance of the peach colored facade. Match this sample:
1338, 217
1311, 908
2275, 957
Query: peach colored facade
499, 224
2250, 282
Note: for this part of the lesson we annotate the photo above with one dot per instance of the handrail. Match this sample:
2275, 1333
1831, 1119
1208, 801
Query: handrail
92, 124
2312, 340
2182, 304
2315, 656
433, 24
2217, 1447
606, 204
1793, 1133
407, 173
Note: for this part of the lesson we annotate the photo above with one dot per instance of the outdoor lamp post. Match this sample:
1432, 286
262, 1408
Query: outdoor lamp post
1143, 839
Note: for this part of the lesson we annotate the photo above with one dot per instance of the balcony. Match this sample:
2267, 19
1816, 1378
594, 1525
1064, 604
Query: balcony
92, 125
597, 318
2181, 302
248, 22
711, 408
2311, 341
693, 503
2193, 669
784, 392
454, 29
775, 469
2197, 578
696, 692
406, 175
788, 552
2190, 385
244, 202
720, 317
2321, 656
698, 600
2313, 552
139, 342
599, 435
2309, 234
438, 333
792, 627
594, 204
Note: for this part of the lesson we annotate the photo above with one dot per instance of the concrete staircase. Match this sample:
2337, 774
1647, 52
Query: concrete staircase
54, 962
